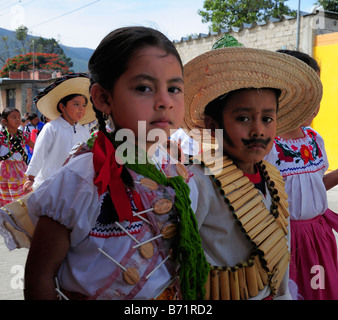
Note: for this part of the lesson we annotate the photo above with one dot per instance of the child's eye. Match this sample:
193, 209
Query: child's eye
143, 88
175, 90
268, 119
242, 119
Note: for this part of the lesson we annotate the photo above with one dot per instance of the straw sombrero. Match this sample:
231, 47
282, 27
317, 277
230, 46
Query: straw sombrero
17, 221
217, 72
47, 100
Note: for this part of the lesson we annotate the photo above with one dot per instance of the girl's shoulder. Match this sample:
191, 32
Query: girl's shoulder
74, 204
3, 136
314, 137
298, 156
311, 133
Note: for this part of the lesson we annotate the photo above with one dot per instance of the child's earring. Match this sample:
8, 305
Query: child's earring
105, 117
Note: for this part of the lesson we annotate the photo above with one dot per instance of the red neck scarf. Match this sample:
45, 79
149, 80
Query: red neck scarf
108, 176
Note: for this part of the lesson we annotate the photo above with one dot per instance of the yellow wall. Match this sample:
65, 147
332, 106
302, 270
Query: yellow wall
326, 122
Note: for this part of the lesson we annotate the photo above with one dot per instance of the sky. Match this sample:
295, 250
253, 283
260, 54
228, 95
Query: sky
84, 23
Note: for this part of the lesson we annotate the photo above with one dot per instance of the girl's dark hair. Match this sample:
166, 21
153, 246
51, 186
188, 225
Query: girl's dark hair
304, 57
111, 58
214, 109
65, 99
7, 112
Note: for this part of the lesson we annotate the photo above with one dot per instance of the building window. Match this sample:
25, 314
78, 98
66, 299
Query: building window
11, 98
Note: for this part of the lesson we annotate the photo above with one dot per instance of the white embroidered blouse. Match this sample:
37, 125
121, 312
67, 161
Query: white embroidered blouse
302, 163
77, 206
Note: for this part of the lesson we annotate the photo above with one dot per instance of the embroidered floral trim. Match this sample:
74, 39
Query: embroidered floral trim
301, 155
105, 226
111, 230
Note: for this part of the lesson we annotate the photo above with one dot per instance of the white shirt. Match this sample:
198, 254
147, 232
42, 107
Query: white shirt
52, 146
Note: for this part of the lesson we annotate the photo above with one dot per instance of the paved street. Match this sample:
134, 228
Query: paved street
12, 262
11, 270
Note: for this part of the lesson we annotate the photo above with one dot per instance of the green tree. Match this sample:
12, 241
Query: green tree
329, 5
21, 35
51, 46
233, 13
24, 43
24, 62
227, 40
5, 54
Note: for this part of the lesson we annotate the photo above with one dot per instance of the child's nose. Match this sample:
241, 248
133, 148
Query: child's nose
163, 101
257, 129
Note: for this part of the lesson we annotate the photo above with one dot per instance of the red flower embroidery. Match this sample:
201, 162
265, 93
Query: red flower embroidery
306, 154
282, 156
314, 134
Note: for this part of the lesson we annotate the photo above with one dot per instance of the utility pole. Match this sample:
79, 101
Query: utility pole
33, 94
298, 26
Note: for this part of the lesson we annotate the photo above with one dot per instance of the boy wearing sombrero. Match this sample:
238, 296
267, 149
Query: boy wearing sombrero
66, 102
242, 206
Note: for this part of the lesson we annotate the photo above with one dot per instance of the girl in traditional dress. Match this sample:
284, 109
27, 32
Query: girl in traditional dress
112, 231
13, 157
301, 158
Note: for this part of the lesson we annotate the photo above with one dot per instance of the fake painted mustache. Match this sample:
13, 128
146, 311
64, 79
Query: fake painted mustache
263, 142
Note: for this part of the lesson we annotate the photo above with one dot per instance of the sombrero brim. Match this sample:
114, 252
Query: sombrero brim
219, 71
47, 104
17, 221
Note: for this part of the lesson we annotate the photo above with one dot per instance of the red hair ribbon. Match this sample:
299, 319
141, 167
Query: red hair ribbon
108, 174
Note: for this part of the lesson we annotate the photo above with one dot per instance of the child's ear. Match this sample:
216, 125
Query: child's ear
211, 124
100, 97
62, 106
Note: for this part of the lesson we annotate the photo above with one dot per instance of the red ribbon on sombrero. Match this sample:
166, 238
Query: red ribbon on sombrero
108, 174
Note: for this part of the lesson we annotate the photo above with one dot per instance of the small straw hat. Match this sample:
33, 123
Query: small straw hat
75, 83
18, 222
220, 71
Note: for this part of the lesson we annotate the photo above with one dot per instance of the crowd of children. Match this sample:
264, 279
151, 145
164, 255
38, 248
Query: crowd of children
243, 221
